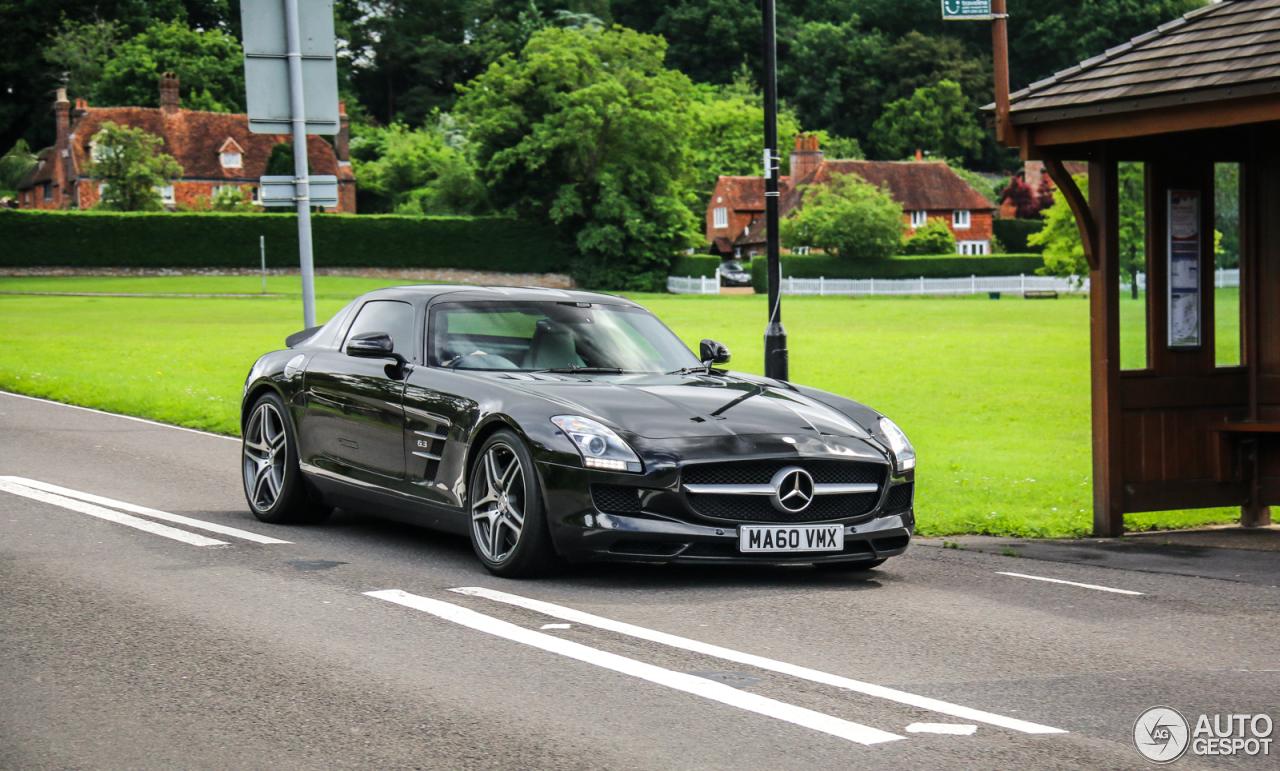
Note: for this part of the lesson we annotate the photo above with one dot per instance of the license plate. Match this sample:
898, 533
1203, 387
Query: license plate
757, 538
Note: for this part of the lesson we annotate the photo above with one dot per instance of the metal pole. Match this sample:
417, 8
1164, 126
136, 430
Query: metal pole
775, 335
262, 243
302, 192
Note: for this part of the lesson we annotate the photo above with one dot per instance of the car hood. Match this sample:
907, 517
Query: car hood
688, 406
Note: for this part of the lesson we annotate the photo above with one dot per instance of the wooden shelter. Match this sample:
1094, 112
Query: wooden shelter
1204, 89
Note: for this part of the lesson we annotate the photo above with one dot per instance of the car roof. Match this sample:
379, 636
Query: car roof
463, 293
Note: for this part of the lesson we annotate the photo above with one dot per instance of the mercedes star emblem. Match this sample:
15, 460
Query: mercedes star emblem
792, 490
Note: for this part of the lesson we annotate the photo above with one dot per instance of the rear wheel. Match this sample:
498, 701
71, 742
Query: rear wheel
508, 523
273, 483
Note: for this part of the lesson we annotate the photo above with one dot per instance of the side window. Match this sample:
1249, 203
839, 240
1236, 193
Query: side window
390, 316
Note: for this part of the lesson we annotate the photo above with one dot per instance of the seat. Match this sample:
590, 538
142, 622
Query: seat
551, 348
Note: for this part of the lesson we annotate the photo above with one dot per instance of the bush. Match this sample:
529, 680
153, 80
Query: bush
945, 266
697, 265
163, 240
934, 238
1013, 234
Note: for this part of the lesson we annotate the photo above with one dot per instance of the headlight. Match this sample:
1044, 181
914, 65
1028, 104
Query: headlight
904, 455
599, 446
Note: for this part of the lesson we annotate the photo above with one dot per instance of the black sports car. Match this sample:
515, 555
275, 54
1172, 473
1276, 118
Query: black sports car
554, 426
732, 273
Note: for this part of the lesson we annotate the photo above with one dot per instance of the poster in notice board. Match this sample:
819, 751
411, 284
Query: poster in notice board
1184, 268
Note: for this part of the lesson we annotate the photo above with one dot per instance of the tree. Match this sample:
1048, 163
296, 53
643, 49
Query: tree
418, 171
81, 50
129, 161
933, 238
1063, 249
1023, 198
586, 129
936, 119
849, 217
209, 65
832, 76
1226, 213
14, 165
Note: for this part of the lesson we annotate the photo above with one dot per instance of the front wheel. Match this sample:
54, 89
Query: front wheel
508, 522
273, 482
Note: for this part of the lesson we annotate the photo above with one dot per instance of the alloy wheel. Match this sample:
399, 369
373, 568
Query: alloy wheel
265, 453
497, 514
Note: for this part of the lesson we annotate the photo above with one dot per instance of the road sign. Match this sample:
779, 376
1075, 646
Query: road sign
266, 66
281, 191
966, 10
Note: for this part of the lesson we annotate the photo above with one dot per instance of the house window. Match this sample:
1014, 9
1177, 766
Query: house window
47, 187
721, 215
960, 219
973, 248
230, 160
219, 190
918, 219
102, 188
166, 193
253, 191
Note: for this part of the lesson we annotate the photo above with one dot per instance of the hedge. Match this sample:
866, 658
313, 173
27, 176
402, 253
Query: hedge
945, 266
212, 240
1013, 234
695, 265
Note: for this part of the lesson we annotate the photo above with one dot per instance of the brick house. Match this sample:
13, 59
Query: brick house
926, 190
216, 150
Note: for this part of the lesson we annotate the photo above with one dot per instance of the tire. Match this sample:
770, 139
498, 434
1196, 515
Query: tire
509, 529
849, 567
273, 483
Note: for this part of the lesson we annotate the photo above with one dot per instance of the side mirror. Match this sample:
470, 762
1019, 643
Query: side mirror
371, 345
378, 345
711, 352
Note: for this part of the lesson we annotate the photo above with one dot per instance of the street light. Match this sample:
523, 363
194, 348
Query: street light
775, 335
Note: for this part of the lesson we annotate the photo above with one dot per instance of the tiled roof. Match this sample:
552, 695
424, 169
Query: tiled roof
194, 138
916, 185
1223, 50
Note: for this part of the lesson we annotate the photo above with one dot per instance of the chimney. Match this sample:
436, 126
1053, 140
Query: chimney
919, 155
342, 142
62, 150
170, 99
806, 158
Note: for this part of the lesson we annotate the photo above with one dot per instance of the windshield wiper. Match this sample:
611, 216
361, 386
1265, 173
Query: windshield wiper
582, 370
687, 371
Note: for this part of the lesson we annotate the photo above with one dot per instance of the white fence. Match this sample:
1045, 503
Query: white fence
925, 286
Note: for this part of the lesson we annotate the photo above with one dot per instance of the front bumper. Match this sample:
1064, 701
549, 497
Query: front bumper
582, 532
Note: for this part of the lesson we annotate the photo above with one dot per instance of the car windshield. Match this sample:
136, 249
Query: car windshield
562, 336
733, 266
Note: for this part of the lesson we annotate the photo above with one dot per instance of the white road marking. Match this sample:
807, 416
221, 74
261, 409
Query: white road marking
109, 515
869, 689
1068, 583
144, 511
950, 729
680, 681
118, 415
555, 626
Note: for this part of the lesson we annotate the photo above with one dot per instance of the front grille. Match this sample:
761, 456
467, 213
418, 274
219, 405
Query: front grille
616, 499
900, 496
758, 508
760, 472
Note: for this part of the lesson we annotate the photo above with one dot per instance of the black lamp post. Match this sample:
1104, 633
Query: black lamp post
775, 336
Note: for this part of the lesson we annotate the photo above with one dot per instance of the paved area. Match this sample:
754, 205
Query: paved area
347, 645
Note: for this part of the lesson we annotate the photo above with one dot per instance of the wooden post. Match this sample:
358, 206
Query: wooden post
1253, 513
1005, 134
1104, 323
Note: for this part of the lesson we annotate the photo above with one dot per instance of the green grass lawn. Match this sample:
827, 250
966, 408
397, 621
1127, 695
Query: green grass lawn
994, 394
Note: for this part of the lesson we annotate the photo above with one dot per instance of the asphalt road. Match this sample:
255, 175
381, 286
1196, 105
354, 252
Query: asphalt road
127, 648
